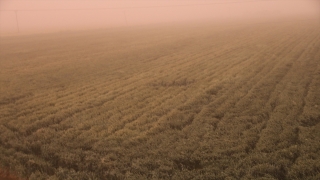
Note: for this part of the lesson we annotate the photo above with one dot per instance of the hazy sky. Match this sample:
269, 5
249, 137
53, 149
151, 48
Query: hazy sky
42, 15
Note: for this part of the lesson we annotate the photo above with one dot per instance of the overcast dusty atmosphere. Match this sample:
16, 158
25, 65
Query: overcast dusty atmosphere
119, 90
49, 15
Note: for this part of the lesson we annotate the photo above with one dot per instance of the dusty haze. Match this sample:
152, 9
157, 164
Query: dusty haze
42, 16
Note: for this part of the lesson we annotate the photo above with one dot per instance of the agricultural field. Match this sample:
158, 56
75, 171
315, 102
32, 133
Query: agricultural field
172, 102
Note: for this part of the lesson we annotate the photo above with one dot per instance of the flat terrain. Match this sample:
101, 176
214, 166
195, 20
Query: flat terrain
188, 102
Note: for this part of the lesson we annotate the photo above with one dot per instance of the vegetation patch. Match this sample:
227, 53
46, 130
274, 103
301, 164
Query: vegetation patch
211, 102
